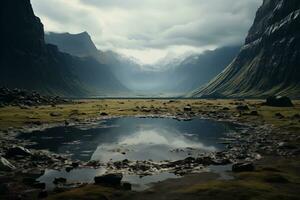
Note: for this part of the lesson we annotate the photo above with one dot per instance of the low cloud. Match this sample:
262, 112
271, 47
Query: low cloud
151, 25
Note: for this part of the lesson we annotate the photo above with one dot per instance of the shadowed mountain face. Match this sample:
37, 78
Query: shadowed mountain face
269, 62
27, 62
174, 78
75, 44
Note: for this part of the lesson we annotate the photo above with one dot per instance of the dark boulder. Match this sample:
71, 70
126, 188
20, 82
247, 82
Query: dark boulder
59, 181
242, 108
243, 167
109, 179
17, 151
103, 114
187, 108
279, 115
278, 101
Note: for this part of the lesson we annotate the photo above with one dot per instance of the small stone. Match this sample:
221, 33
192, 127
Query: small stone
243, 167
69, 168
109, 179
60, 181
279, 115
187, 108
55, 114
103, 114
242, 108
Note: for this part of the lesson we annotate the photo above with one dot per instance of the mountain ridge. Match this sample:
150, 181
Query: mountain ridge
175, 79
268, 63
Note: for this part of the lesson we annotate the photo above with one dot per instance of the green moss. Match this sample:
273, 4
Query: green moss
90, 192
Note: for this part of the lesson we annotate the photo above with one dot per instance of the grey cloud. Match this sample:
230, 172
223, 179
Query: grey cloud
157, 24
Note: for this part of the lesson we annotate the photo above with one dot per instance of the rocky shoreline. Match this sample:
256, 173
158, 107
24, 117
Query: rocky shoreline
250, 143
24, 98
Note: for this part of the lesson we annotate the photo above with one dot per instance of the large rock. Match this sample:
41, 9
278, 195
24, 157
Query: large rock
278, 101
109, 179
17, 151
5, 165
243, 167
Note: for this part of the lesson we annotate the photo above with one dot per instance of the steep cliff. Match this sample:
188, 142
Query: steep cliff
269, 61
28, 62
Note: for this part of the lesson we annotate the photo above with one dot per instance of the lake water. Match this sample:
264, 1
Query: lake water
129, 138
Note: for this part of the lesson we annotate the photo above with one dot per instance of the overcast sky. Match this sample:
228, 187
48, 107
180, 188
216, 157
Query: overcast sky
148, 30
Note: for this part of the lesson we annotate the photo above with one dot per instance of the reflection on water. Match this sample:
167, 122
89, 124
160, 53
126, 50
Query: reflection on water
87, 176
150, 143
132, 138
128, 138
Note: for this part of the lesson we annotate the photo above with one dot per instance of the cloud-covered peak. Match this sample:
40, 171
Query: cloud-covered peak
150, 29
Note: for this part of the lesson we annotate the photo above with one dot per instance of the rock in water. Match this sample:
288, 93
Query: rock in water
60, 181
109, 179
243, 167
5, 165
278, 101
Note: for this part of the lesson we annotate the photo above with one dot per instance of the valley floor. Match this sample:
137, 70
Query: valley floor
277, 174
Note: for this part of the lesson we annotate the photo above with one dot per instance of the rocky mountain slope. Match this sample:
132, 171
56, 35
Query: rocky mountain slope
269, 61
28, 62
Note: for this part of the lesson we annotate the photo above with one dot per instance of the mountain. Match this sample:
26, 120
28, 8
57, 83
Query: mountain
28, 62
69, 43
199, 69
269, 61
177, 75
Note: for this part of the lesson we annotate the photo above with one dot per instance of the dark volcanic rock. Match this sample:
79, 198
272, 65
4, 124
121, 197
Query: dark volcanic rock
109, 179
24, 98
243, 167
59, 181
279, 101
17, 151
268, 63
187, 108
242, 108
